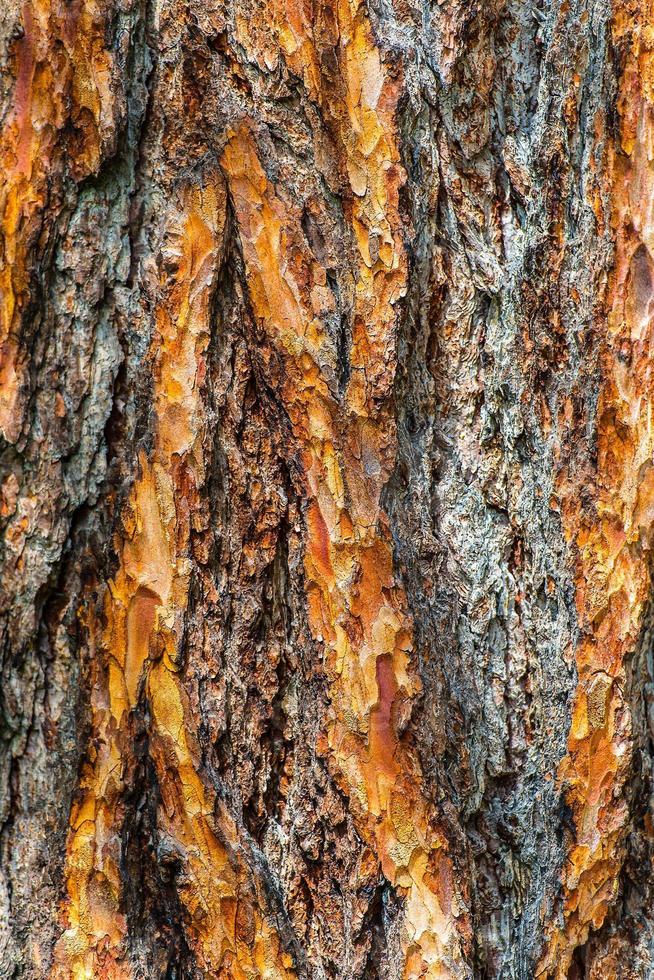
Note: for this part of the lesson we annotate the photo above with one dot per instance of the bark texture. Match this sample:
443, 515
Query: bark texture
326, 489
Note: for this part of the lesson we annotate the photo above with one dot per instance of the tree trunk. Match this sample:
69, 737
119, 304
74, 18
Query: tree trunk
326, 489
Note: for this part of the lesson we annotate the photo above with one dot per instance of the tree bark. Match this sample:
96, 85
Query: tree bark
326, 489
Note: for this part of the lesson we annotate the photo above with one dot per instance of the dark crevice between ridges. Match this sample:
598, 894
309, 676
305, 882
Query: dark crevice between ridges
274, 619
339, 322
210, 550
384, 908
577, 970
310, 854
158, 946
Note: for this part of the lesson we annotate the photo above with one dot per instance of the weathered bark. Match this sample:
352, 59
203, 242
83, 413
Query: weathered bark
326, 472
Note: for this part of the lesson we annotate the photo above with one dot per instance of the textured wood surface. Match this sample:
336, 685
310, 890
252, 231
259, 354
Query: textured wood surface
326, 489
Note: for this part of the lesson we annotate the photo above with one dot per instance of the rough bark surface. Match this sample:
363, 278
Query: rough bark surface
326, 489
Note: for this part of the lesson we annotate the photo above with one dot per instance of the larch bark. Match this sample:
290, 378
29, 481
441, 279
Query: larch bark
326, 489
